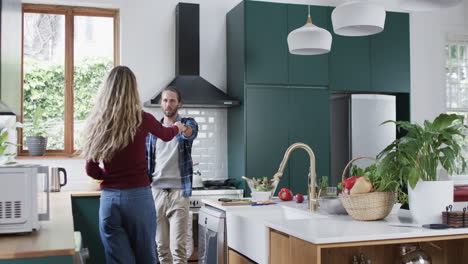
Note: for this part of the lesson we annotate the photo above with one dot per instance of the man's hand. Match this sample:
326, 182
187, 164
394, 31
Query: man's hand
181, 126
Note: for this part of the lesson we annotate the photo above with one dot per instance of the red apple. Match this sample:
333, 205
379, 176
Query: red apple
299, 198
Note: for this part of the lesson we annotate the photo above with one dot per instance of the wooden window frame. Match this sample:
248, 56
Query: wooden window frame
70, 12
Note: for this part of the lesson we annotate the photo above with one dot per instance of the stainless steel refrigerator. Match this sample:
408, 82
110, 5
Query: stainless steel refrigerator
356, 129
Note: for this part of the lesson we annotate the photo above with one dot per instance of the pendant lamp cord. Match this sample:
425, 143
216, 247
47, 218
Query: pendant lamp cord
309, 20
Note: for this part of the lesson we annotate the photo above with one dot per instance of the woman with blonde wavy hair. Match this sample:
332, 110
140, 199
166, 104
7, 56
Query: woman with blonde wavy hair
115, 135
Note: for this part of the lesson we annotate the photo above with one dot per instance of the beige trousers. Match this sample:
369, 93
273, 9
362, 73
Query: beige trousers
172, 210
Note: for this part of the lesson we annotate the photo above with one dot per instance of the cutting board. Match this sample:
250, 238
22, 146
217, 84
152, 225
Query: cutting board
234, 203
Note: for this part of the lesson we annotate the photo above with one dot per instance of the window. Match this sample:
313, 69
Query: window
456, 68
67, 52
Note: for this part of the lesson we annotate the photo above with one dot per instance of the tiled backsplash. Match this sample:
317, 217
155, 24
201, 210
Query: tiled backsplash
209, 149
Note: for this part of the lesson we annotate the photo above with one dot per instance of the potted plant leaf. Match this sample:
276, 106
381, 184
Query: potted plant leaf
414, 159
7, 148
36, 141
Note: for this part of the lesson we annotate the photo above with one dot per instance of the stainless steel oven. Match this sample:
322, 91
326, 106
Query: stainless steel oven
212, 245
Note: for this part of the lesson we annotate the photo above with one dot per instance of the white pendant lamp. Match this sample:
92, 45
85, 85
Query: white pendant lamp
309, 39
358, 18
427, 5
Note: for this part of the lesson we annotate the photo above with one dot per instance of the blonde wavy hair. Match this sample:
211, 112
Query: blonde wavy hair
114, 118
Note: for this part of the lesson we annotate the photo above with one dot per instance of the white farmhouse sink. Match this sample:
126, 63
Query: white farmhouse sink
275, 212
246, 230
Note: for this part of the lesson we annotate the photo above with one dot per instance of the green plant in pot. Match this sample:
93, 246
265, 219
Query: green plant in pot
414, 159
36, 139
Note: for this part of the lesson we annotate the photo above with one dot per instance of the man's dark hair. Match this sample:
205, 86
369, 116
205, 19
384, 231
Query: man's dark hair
173, 89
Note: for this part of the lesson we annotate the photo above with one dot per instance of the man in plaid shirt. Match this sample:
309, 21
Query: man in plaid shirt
170, 168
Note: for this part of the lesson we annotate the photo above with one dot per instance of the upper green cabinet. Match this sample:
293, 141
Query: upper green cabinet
377, 64
350, 63
390, 55
267, 57
266, 53
308, 70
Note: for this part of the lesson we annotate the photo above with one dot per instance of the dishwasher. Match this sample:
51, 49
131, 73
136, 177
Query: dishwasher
212, 244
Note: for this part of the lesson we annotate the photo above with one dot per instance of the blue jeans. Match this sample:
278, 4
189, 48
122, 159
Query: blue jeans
127, 224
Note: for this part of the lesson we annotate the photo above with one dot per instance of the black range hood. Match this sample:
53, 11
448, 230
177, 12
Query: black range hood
196, 91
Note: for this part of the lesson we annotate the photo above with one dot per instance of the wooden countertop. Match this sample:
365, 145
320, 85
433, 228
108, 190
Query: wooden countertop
86, 193
55, 237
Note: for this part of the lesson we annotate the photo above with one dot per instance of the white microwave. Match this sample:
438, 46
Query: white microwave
22, 187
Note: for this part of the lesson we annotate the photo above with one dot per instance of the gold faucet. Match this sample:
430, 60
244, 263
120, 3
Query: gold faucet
311, 194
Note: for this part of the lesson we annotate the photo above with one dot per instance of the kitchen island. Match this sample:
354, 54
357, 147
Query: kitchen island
288, 233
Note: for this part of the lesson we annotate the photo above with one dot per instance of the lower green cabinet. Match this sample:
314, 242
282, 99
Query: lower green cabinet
308, 123
86, 220
45, 260
266, 132
275, 118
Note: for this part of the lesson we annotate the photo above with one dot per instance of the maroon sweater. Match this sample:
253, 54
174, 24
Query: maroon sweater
128, 168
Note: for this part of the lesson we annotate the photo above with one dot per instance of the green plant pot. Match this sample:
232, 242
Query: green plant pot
36, 145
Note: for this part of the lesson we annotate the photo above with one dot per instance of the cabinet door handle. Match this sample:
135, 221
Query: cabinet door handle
206, 220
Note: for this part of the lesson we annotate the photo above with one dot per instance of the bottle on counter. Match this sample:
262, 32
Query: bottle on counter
413, 254
355, 260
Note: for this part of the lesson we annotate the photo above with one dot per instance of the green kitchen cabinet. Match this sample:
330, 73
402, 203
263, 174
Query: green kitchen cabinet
86, 220
235, 49
45, 260
308, 70
264, 125
267, 58
377, 64
275, 118
309, 121
350, 64
285, 98
390, 56
267, 131
266, 49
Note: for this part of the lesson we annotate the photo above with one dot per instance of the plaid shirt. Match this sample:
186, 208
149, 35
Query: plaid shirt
185, 154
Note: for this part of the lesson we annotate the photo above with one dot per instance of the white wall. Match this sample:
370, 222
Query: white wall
148, 37
428, 36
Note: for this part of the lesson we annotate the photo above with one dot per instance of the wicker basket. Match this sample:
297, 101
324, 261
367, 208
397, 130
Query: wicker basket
367, 206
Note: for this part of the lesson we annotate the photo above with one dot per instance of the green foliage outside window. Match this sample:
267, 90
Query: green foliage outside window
44, 87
